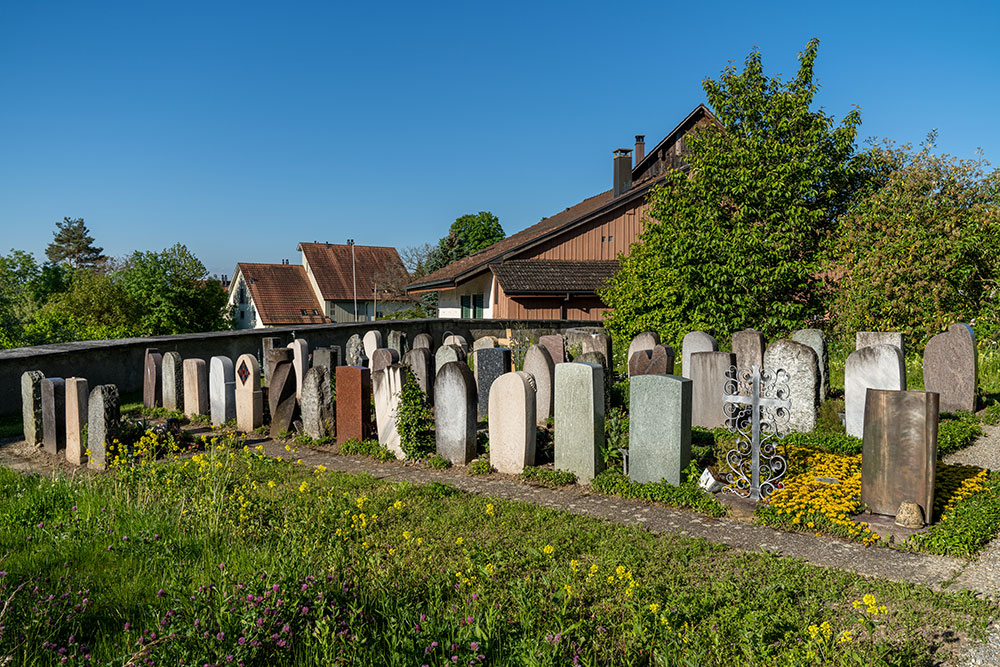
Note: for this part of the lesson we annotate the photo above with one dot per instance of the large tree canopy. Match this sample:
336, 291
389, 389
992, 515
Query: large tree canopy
468, 235
734, 242
72, 243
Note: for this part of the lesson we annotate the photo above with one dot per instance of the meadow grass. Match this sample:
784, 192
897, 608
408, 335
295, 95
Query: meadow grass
230, 557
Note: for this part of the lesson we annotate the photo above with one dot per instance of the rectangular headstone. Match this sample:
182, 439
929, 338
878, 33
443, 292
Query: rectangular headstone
268, 344
579, 415
327, 357
899, 453
152, 384
354, 416
103, 424
31, 406
869, 338
195, 388
421, 363
222, 390
249, 397
54, 415
397, 341
317, 403
748, 346
491, 363
659, 443
77, 407
173, 381
598, 342
512, 427
455, 412
708, 374
870, 367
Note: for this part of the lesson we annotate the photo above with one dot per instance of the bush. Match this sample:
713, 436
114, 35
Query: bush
956, 431
548, 477
480, 467
414, 420
438, 462
368, 448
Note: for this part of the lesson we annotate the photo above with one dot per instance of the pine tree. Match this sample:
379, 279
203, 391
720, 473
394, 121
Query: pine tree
74, 245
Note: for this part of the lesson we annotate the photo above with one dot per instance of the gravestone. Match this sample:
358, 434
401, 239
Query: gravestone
447, 354
748, 346
355, 352
556, 345
422, 366
317, 403
800, 362
579, 415
695, 341
659, 442
387, 385
491, 363
173, 381
460, 341
31, 406
152, 384
484, 343
455, 412
951, 366
597, 342
816, 339
327, 357
708, 376
512, 425
397, 341
249, 397
899, 452
372, 341
54, 415
871, 367
222, 390
354, 411
538, 364
382, 358
300, 359
594, 357
77, 406
268, 344
644, 341
281, 394
423, 340
103, 420
870, 338
195, 388
657, 361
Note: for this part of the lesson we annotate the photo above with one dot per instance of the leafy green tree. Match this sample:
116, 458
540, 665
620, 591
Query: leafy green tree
98, 301
735, 243
919, 253
73, 244
174, 292
468, 235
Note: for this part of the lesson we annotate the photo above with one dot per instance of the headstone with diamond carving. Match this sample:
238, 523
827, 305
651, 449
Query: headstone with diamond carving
249, 397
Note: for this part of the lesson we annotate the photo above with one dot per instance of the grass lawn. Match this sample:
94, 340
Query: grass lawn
228, 557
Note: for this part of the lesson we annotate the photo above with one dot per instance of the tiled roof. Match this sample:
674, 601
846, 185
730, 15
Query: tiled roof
331, 266
280, 293
553, 276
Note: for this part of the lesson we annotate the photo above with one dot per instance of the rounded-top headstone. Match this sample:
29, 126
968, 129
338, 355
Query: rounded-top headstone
657, 361
423, 340
354, 352
647, 340
455, 413
383, 358
222, 389
447, 354
951, 368
816, 339
485, 342
372, 341
871, 367
748, 346
870, 338
455, 339
695, 341
540, 366
802, 366
512, 427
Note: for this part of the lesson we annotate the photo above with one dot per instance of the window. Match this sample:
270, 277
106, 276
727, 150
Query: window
315, 312
304, 311
243, 314
466, 306
477, 306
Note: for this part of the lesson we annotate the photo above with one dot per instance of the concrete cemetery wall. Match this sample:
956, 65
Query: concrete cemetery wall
120, 362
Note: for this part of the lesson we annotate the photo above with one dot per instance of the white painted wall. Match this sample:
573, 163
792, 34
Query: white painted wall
450, 301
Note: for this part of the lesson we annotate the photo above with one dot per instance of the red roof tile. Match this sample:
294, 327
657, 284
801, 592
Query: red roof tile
331, 266
280, 293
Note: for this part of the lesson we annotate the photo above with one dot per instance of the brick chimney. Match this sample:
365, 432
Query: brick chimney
623, 171
640, 148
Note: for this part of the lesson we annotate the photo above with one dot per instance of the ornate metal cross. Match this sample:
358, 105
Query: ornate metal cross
757, 409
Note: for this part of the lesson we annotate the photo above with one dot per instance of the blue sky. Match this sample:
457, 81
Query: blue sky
240, 128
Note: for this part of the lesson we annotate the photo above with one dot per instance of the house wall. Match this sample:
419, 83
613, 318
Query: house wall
450, 301
605, 237
577, 307
343, 311
244, 313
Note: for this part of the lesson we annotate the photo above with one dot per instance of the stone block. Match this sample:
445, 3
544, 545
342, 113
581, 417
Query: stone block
281, 395
455, 412
386, 386
870, 338
899, 453
579, 419
748, 346
816, 339
222, 390
644, 341
871, 367
77, 407
659, 428
173, 381
695, 341
556, 345
597, 342
152, 383
354, 408
512, 425
460, 341
708, 377
800, 362
300, 359
317, 403
372, 341
397, 341
103, 425
382, 358
54, 415
656, 361
355, 352
195, 388
951, 365
327, 357
421, 364
249, 397
540, 366
268, 344
491, 363
423, 340
31, 407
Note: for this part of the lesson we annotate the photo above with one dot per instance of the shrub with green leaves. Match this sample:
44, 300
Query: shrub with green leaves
547, 476
369, 448
414, 420
956, 431
688, 494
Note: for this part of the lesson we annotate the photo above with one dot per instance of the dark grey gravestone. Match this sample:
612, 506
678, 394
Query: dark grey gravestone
317, 403
748, 346
657, 361
222, 390
423, 340
491, 363
579, 419
268, 344
327, 357
455, 412
659, 443
382, 358
172, 370
816, 339
54, 415
708, 377
152, 385
281, 397
103, 424
951, 366
422, 365
398, 342
355, 355
800, 362
539, 365
447, 354
31, 406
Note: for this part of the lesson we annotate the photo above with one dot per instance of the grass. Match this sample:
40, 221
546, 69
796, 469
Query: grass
229, 553
688, 495
547, 477
369, 448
